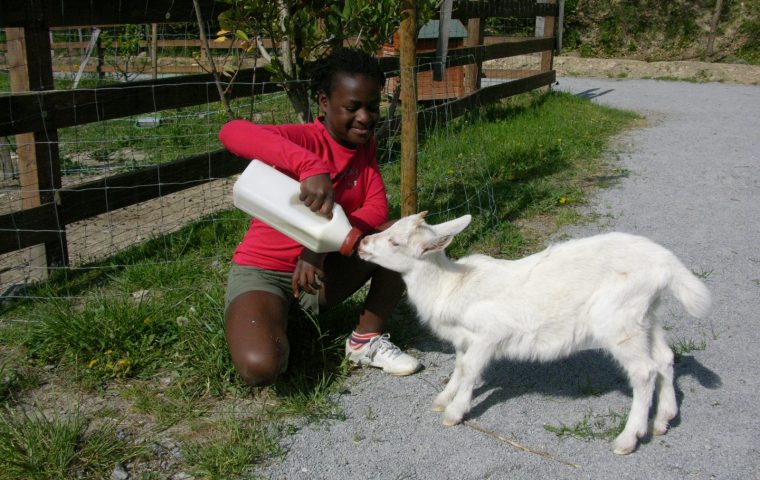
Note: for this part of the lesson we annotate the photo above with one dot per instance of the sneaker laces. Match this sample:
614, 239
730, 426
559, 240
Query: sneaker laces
382, 344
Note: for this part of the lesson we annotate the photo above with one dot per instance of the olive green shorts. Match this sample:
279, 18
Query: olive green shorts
242, 279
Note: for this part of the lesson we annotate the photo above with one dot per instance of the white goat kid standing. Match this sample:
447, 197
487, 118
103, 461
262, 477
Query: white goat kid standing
597, 292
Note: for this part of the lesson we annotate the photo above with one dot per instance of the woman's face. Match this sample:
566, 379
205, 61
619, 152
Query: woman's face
352, 109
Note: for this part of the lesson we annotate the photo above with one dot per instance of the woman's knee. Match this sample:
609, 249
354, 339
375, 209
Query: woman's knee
258, 369
255, 324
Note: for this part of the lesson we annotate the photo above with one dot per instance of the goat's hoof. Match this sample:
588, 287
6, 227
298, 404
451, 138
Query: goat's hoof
623, 451
437, 407
659, 427
450, 419
449, 422
624, 448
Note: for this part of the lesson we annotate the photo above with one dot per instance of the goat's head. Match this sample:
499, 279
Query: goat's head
409, 239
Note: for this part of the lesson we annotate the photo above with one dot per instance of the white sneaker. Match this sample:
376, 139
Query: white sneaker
380, 352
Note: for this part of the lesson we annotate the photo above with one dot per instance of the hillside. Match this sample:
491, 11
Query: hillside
654, 30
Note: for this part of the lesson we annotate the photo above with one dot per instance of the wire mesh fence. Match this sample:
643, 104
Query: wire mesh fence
91, 59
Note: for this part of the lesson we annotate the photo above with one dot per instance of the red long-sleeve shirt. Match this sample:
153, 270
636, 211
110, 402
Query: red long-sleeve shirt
301, 151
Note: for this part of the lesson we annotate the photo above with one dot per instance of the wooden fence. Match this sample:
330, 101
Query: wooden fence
35, 111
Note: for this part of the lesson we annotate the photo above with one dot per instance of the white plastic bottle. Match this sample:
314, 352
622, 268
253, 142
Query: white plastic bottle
272, 197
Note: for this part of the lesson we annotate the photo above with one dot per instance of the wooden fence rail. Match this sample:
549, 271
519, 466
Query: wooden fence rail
45, 111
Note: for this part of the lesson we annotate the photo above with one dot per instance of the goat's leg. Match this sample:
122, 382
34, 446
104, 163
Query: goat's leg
444, 398
473, 362
634, 356
667, 407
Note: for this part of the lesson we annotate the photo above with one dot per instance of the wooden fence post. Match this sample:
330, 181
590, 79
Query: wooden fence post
31, 69
408, 63
473, 71
546, 29
5, 158
154, 49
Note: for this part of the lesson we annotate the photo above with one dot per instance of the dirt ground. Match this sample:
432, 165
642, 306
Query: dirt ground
573, 66
694, 71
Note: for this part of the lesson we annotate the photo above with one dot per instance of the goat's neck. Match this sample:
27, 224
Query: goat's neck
432, 279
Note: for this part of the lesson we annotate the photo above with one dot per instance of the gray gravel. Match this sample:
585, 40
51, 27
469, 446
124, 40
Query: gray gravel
690, 181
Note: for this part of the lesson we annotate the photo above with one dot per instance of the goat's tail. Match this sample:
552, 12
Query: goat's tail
690, 290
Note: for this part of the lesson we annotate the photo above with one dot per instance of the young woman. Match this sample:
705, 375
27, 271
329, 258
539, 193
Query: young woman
334, 158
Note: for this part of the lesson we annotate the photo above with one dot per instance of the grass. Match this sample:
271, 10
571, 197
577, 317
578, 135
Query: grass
683, 346
592, 427
508, 162
34, 446
231, 450
146, 325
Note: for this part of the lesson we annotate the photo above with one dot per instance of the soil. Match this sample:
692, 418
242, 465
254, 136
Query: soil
574, 66
692, 71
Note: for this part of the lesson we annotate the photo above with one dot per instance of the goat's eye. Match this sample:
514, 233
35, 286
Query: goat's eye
393, 242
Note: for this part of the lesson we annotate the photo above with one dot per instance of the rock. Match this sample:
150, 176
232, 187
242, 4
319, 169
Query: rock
119, 472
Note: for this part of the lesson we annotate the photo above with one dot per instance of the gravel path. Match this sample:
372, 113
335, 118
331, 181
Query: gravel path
691, 183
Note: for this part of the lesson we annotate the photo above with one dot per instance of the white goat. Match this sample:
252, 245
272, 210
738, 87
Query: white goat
597, 292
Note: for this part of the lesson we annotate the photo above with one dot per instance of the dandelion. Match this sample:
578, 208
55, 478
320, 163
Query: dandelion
92, 363
109, 351
109, 366
563, 200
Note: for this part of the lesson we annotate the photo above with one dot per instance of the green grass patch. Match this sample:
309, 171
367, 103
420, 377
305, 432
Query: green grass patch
36, 446
231, 447
527, 157
17, 375
683, 346
592, 427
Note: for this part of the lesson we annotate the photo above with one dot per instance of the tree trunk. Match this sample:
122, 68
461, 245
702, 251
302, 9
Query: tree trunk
298, 94
714, 27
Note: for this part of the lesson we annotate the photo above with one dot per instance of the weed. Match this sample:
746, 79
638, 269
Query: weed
167, 407
702, 274
684, 345
16, 377
231, 448
35, 446
588, 389
592, 426
116, 337
308, 398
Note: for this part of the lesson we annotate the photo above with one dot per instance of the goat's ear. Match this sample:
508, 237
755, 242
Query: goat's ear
436, 244
452, 227
419, 218
444, 234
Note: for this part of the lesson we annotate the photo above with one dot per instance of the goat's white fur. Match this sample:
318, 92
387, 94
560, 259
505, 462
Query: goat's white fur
596, 292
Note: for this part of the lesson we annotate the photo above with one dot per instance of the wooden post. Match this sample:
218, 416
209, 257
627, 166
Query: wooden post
101, 58
473, 71
31, 68
5, 158
154, 49
547, 58
442, 43
408, 61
